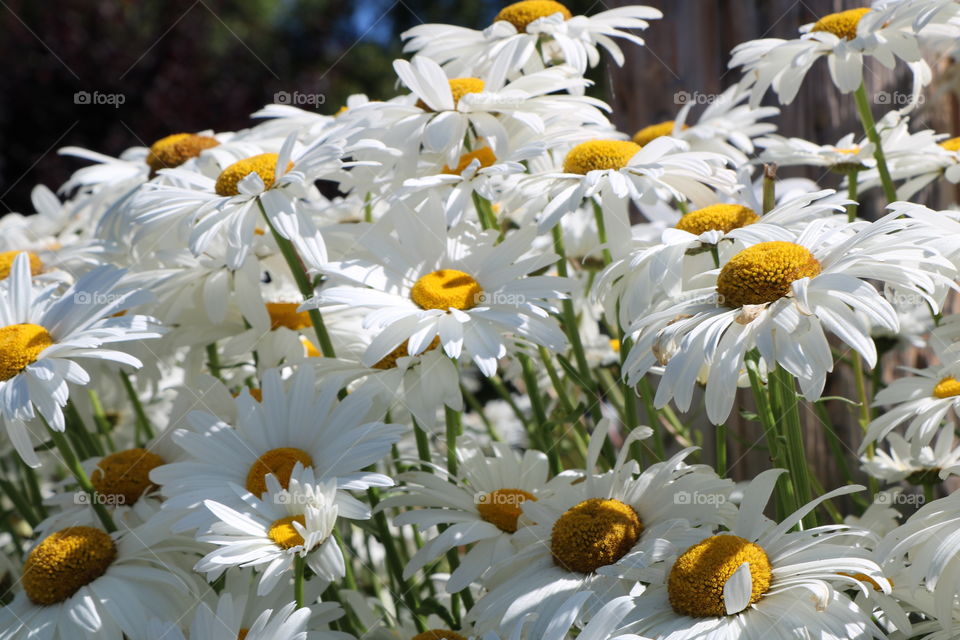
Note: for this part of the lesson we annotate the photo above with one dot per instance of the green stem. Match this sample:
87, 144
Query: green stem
852, 187
73, 464
91, 447
769, 187
394, 564
539, 414
299, 567
142, 422
928, 493
101, 420
477, 408
601, 232
721, 449
304, 285
870, 128
783, 389
213, 360
786, 503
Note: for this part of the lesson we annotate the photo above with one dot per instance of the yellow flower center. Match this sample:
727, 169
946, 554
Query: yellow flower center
6, 263
862, 577
695, 584
648, 134
594, 533
521, 14
953, 144
389, 361
764, 272
309, 349
459, 87
264, 165
280, 462
20, 344
284, 535
242, 634
173, 151
285, 314
125, 473
947, 388
446, 288
599, 155
65, 561
483, 154
717, 217
842, 24
615, 345
502, 507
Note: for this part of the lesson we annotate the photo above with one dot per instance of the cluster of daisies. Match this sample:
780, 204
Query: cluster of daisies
459, 364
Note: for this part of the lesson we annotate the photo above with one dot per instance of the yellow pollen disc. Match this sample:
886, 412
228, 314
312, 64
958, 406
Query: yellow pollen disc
502, 507
264, 165
256, 394
947, 388
6, 263
446, 288
66, 561
389, 361
615, 345
438, 634
848, 151
764, 272
953, 144
173, 151
862, 577
309, 349
459, 87
521, 14
648, 134
483, 154
843, 24
20, 344
594, 533
695, 584
125, 473
598, 155
285, 314
280, 462
284, 535
717, 217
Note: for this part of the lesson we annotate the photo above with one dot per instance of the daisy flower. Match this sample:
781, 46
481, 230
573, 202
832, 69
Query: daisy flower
927, 545
578, 543
531, 34
903, 462
288, 623
288, 522
617, 171
756, 581
780, 294
921, 402
251, 183
482, 507
844, 157
460, 288
337, 439
654, 272
82, 582
885, 32
726, 126
42, 335
445, 108
401, 383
